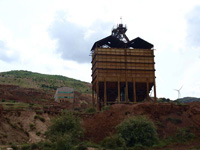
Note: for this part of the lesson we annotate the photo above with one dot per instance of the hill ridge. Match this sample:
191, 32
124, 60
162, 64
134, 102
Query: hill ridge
28, 79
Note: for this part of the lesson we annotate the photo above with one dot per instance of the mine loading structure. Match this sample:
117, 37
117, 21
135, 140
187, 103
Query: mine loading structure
123, 71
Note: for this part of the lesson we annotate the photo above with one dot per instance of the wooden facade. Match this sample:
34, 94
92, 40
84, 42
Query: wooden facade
122, 73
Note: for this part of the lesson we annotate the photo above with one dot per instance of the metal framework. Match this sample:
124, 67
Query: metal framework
122, 71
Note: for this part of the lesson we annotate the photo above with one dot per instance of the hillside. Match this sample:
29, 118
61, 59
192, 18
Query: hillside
169, 118
188, 99
27, 88
27, 79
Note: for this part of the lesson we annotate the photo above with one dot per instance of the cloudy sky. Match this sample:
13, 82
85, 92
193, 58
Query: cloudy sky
55, 37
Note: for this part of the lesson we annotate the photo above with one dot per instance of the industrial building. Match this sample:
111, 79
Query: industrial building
64, 94
123, 70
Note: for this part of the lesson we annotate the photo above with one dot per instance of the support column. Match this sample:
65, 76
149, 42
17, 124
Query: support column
126, 91
155, 99
134, 91
105, 94
97, 91
147, 89
118, 91
93, 96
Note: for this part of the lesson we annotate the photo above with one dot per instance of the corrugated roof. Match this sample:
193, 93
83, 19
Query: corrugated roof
109, 41
65, 89
113, 42
140, 43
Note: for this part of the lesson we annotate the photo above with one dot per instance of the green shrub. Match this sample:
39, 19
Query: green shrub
138, 130
34, 146
32, 126
105, 108
114, 142
46, 145
25, 147
38, 133
64, 142
39, 117
90, 110
183, 135
14, 147
138, 147
90, 144
66, 124
81, 146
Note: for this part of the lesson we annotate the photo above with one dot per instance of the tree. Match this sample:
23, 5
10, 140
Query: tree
65, 126
138, 131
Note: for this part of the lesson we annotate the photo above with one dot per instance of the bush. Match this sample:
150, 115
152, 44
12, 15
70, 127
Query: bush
14, 147
88, 144
34, 146
38, 133
105, 108
64, 143
46, 145
90, 110
183, 135
138, 131
114, 142
25, 147
138, 147
39, 117
66, 124
81, 146
32, 126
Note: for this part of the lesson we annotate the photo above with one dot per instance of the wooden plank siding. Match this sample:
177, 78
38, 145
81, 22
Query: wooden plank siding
121, 71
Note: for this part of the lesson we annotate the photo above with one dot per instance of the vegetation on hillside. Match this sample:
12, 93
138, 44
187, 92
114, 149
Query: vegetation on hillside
29, 79
138, 131
188, 100
180, 100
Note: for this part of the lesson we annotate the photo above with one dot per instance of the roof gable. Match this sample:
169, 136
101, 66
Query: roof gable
140, 43
109, 42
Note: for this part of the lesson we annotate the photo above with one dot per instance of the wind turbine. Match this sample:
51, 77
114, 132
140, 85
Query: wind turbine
179, 93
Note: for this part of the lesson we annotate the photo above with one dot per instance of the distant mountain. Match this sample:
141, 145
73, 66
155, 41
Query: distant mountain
188, 99
27, 79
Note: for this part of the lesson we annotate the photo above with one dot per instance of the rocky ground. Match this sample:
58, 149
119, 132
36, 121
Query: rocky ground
29, 125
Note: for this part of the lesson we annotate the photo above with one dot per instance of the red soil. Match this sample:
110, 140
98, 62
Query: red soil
11, 92
167, 118
43, 97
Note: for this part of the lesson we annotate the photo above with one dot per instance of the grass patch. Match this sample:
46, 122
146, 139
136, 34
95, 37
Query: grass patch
40, 118
105, 108
32, 126
90, 110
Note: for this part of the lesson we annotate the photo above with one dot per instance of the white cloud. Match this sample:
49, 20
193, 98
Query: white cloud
172, 26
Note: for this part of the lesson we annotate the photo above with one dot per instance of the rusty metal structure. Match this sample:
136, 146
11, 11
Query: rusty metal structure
122, 70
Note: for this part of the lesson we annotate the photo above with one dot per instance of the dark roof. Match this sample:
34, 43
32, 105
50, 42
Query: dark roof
109, 41
113, 42
140, 43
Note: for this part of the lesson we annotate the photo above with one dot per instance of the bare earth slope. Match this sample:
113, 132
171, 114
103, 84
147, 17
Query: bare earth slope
167, 117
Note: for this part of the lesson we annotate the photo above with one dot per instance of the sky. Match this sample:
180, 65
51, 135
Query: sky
56, 36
